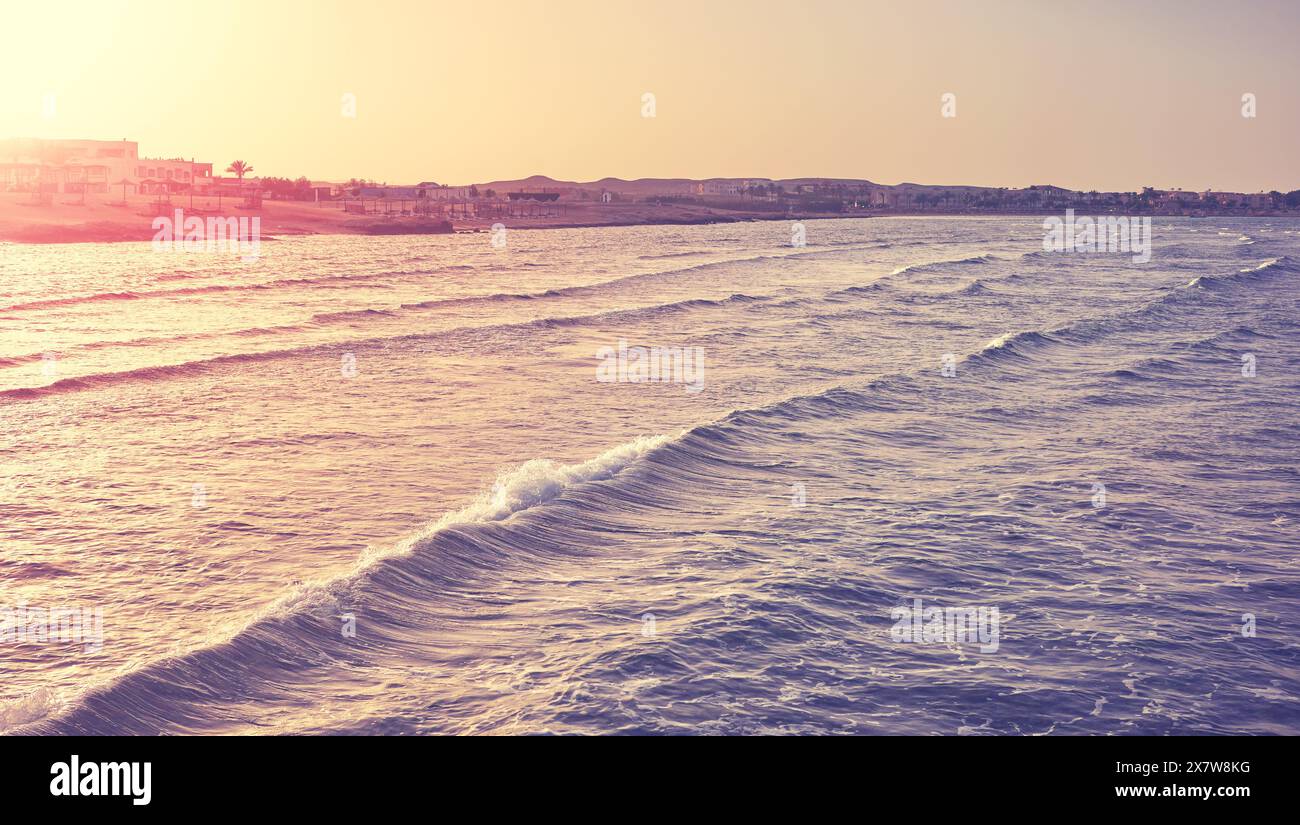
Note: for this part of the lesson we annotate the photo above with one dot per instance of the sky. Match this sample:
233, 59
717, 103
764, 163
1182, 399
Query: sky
1099, 95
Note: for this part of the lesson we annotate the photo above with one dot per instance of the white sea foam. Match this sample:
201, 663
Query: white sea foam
530, 484
1000, 341
1272, 262
32, 708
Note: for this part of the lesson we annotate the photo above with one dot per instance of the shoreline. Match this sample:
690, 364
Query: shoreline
23, 223
296, 221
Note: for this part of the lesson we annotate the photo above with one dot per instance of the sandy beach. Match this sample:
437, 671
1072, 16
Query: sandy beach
101, 220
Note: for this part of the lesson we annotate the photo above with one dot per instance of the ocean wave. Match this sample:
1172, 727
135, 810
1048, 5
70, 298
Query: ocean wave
976, 260
207, 365
20, 570
862, 289
103, 379
1273, 266
21, 360
1015, 345
1146, 369
1229, 342
1082, 330
194, 690
666, 255
299, 631
882, 284
350, 279
351, 315
55, 303
140, 701
972, 289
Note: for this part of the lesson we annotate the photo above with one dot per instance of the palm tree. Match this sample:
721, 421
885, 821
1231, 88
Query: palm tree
239, 168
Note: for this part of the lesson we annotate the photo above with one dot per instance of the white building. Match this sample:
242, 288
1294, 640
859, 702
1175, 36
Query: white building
94, 166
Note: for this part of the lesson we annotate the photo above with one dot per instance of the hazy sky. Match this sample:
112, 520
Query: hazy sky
1094, 95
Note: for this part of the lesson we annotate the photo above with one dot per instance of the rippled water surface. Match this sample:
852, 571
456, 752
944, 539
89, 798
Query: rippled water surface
373, 485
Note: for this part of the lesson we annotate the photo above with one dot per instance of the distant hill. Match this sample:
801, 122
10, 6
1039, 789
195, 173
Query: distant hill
679, 186
642, 186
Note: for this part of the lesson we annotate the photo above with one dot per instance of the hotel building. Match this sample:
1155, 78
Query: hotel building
96, 167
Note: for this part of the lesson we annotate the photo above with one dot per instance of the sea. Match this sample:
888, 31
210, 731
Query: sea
858, 476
